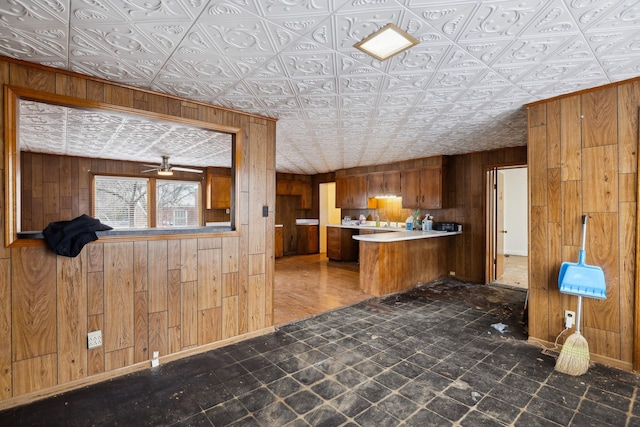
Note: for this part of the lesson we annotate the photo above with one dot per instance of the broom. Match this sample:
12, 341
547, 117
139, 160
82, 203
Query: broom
574, 356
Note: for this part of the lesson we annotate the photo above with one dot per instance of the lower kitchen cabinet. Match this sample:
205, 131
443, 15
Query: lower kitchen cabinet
308, 239
340, 244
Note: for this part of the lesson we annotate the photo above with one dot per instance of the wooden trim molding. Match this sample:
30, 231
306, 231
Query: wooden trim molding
12, 152
636, 323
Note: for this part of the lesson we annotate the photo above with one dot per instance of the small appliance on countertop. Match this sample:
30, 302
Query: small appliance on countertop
447, 226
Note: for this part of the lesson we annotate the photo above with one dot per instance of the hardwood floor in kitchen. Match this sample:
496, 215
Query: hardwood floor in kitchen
310, 284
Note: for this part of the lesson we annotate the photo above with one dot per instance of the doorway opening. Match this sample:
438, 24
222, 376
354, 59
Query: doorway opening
329, 213
507, 227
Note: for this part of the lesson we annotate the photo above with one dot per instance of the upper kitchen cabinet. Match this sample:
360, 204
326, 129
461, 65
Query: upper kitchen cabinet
290, 187
383, 184
423, 188
218, 192
351, 192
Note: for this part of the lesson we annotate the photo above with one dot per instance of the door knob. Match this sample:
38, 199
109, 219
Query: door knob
503, 231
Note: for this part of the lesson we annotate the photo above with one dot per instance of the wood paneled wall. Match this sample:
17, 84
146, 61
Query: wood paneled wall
583, 160
172, 295
58, 188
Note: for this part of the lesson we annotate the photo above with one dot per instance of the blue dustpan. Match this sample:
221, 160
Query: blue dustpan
579, 278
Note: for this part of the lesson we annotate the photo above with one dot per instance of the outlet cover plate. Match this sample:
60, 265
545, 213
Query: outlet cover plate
94, 339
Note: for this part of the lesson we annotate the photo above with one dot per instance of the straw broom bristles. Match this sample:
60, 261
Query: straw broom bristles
574, 356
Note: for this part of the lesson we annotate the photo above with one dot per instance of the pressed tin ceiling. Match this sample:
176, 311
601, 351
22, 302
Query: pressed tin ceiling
462, 89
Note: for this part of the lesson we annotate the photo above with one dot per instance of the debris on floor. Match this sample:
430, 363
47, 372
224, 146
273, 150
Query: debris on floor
505, 304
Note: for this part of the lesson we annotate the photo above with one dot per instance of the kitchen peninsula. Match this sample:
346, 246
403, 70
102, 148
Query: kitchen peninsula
392, 260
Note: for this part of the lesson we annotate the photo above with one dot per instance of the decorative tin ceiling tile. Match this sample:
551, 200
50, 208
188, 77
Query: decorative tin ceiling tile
476, 65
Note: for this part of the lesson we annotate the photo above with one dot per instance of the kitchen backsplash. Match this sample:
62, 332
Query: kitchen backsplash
392, 210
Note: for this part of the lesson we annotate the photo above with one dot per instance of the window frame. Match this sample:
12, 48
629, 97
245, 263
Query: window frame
199, 203
13, 235
152, 184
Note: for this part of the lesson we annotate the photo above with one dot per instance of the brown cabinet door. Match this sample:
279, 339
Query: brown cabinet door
431, 188
313, 237
218, 192
351, 192
358, 190
333, 243
375, 185
392, 183
305, 196
342, 192
410, 189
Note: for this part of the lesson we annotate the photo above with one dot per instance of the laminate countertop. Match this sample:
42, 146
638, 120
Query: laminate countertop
398, 236
393, 234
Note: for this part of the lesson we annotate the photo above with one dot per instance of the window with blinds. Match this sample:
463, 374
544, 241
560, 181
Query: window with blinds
126, 202
177, 203
121, 202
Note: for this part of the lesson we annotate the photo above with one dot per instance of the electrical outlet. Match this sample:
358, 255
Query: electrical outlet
94, 339
452, 273
569, 318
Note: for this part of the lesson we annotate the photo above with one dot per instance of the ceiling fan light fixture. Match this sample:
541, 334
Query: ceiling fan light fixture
386, 42
165, 172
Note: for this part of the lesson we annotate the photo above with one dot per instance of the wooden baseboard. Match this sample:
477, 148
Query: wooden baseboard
604, 360
94, 379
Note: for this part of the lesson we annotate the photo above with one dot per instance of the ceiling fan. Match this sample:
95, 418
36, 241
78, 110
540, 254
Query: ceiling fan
164, 168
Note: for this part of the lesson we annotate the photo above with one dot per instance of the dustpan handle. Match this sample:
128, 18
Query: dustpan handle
579, 314
584, 230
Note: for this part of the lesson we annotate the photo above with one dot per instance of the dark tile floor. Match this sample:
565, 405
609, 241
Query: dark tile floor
404, 360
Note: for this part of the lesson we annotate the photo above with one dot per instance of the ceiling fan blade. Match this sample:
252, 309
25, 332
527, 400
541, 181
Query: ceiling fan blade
176, 168
149, 170
153, 166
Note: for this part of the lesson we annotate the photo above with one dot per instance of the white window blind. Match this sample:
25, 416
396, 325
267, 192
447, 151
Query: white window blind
177, 203
121, 202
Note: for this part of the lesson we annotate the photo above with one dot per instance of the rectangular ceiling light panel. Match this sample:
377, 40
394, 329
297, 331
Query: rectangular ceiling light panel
386, 42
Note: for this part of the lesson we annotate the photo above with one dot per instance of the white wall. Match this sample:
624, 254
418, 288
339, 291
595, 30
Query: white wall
515, 211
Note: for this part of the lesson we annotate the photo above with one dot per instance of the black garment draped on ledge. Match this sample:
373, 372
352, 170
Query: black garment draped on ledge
67, 238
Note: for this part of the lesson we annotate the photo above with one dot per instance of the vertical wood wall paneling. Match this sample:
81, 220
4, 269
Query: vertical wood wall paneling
599, 112
554, 154
209, 278
189, 314
243, 284
600, 180
33, 302
5, 329
602, 251
140, 266
258, 189
141, 325
598, 134
72, 318
119, 308
627, 220
33, 318
628, 102
570, 138
157, 261
137, 306
158, 333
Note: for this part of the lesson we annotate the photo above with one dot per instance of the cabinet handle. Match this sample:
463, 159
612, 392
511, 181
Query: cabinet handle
417, 199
